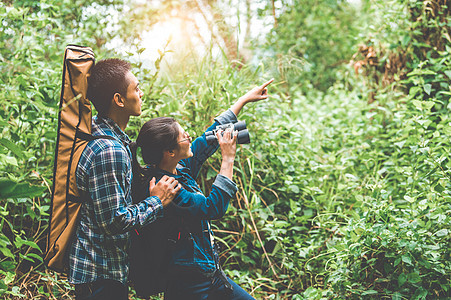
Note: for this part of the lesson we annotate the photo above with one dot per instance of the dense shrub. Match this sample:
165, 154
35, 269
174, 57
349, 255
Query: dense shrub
344, 191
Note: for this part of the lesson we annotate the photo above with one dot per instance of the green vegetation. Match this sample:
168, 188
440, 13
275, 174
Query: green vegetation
344, 191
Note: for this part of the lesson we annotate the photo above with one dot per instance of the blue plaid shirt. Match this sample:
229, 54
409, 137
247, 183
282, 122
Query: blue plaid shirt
104, 175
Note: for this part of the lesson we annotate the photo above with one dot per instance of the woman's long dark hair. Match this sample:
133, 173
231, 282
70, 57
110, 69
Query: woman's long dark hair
155, 137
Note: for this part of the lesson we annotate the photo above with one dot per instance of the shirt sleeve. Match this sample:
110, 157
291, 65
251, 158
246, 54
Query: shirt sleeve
213, 207
109, 188
200, 148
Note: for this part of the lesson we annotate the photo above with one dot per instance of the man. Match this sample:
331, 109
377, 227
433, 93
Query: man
98, 259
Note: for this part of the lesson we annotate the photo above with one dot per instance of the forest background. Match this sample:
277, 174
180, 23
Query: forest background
344, 191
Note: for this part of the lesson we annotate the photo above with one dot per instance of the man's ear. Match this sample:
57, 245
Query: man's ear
118, 100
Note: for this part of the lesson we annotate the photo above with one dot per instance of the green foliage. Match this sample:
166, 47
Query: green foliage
313, 40
33, 36
339, 197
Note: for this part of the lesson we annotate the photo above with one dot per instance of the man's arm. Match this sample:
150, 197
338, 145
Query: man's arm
109, 188
166, 189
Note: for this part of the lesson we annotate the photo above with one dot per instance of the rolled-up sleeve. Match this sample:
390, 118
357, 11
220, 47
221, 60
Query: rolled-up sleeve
210, 207
139, 215
226, 117
226, 185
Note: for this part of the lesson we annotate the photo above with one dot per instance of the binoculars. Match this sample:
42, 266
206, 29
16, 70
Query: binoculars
240, 126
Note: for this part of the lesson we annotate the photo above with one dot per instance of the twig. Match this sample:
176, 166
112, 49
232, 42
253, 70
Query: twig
225, 231
246, 201
234, 245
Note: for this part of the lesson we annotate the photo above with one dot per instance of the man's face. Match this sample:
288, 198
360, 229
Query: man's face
133, 100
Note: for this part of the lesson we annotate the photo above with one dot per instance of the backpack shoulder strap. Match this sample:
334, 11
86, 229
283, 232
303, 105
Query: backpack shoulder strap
89, 137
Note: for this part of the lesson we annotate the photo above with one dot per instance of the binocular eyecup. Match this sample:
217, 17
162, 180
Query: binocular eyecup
240, 126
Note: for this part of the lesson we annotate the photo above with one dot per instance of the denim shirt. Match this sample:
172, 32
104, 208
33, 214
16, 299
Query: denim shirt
196, 248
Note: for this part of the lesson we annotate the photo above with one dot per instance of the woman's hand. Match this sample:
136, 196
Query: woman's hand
227, 142
256, 94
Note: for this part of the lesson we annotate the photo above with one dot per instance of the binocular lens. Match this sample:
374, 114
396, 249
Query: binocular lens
211, 138
243, 137
241, 125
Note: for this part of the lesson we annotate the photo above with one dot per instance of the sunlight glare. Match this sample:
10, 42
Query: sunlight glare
175, 32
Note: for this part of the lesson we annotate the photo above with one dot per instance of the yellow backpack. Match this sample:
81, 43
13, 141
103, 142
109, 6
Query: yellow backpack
74, 133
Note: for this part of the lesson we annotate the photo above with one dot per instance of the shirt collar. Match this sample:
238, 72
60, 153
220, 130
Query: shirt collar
156, 170
109, 127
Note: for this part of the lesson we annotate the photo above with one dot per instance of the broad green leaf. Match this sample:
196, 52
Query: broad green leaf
442, 232
294, 188
11, 189
6, 252
417, 104
19, 242
369, 292
406, 259
428, 104
439, 188
35, 256
9, 277
414, 277
14, 148
421, 72
402, 278
6, 186
3, 286
409, 199
8, 160
427, 88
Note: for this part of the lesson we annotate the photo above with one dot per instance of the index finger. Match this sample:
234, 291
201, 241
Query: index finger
219, 134
235, 136
267, 83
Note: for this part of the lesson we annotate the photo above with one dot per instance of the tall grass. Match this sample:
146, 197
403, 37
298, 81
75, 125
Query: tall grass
323, 207
337, 198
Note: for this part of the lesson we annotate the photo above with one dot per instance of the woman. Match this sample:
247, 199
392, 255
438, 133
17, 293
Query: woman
166, 149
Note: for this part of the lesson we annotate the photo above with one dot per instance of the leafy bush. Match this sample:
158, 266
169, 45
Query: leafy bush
317, 37
32, 37
339, 197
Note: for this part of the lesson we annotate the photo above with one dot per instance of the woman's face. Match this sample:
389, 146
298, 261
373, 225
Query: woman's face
184, 145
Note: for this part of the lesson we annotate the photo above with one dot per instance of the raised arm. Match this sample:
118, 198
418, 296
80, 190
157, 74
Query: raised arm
227, 142
258, 93
201, 149
109, 192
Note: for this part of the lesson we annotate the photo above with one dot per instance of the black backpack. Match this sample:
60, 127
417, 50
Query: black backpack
150, 255
152, 246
